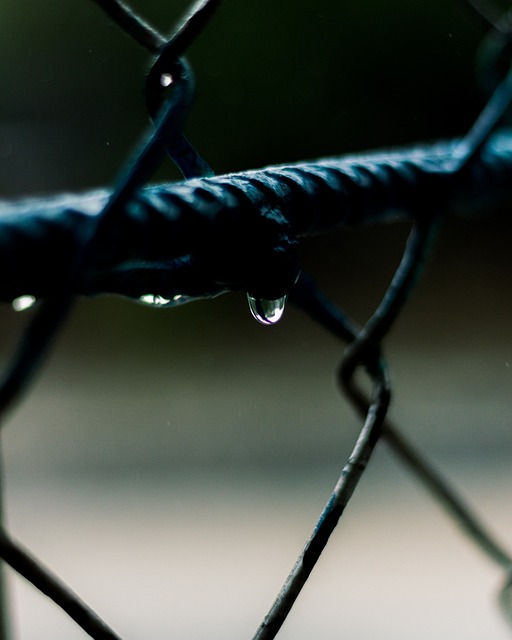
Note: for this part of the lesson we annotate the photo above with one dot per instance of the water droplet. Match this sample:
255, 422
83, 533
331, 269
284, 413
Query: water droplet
166, 79
266, 311
23, 303
153, 300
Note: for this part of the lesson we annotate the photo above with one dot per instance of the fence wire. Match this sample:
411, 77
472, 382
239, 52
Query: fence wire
213, 228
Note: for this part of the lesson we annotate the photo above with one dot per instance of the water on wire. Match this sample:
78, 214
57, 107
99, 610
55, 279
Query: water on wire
267, 311
155, 300
22, 303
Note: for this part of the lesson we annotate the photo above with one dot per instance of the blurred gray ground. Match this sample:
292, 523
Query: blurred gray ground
169, 464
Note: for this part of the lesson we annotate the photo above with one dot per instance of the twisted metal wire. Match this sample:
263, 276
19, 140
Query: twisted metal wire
198, 238
201, 238
363, 351
312, 301
56, 307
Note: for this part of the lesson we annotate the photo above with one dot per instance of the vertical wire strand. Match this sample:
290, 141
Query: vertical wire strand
5, 622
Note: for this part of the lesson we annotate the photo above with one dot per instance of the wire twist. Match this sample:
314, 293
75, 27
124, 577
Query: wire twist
269, 209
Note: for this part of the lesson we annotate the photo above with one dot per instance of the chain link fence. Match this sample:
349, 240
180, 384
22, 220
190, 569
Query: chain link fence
167, 245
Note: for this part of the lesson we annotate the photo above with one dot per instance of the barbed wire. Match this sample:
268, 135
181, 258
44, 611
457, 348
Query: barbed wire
213, 228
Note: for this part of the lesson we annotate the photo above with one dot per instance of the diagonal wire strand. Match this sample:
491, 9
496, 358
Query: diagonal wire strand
133, 25
368, 338
169, 60
347, 482
497, 106
366, 352
51, 586
44, 327
34, 345
310, 299
490, 15
54, 310
490, 117
365, 349
446, 497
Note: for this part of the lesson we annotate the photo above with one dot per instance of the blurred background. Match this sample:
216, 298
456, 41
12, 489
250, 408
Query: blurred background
170, 464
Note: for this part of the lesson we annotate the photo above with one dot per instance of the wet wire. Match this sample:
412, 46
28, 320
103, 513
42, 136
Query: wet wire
350, 475
207, 236
308, 297
54, 310
170, 70
364, 349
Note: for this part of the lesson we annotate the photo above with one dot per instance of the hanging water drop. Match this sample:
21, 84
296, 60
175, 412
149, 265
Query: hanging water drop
266, 311
22, 303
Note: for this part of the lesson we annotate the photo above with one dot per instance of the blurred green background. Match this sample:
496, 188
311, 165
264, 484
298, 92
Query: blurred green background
169, 464
276, 82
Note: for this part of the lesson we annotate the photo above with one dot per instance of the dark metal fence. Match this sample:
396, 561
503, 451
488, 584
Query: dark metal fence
170, 244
